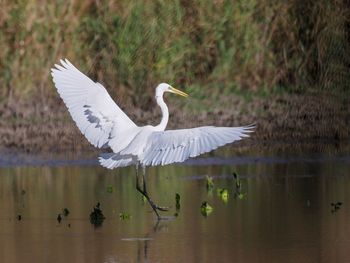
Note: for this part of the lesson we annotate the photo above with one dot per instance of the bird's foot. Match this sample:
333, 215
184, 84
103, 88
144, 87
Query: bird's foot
157, 207
162, 208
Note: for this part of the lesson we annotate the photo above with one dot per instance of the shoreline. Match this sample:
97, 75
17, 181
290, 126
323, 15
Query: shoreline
234, 154
288, 117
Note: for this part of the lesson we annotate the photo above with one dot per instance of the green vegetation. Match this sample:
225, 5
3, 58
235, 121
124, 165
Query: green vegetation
177, 201
124, 216
110, 189
206, 209
238, 182
96, 216
238, 187
205, 47
223, 194
65, 212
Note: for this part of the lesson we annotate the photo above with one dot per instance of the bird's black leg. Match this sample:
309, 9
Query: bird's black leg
145, 194
160, 208
144, 179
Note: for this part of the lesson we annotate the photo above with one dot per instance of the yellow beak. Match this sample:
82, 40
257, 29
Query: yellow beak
178, 92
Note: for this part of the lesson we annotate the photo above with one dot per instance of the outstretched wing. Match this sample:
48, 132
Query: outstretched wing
178, 145
96, 114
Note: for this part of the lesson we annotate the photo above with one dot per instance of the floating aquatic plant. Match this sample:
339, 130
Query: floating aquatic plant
206, 209
336, 206
59, 218
177, 201
110, 189
223, 194
238, 187
238, 182
124, 216
65, 212
96, 216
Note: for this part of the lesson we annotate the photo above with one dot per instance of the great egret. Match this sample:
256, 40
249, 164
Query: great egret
104, 124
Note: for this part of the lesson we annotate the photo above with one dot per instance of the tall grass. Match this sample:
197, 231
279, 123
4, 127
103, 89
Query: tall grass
204, 46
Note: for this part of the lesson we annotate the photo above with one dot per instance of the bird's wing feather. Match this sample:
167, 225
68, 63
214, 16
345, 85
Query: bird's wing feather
114, 160
178, 145
96, 114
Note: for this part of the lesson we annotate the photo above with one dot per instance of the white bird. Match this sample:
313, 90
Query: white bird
104, 124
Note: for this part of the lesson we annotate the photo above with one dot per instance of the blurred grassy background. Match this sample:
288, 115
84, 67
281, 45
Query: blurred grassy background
217, 51
204, 46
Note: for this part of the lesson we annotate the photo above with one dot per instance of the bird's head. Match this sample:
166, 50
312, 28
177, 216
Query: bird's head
164, 87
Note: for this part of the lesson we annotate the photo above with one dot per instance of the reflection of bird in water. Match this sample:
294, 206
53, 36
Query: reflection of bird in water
104, 124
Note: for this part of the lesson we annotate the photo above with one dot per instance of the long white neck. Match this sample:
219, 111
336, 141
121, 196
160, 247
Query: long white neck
165, 113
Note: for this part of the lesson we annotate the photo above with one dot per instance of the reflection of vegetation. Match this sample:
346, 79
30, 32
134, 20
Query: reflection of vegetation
206, 209
96, 216
210, 183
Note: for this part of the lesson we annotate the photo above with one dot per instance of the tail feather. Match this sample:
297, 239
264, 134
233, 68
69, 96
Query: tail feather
114, 160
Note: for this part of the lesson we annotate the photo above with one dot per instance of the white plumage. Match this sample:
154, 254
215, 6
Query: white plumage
104, 124
93, 110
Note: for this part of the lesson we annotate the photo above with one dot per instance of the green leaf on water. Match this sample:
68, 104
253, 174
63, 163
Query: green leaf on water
65, 211
223, 193
124, 216
177, 201
96, 216
177, 197
110, 189
206, 209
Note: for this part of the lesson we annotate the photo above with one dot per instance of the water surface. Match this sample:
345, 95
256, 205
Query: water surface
284, 213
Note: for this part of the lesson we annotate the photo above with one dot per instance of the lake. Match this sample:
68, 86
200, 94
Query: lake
288, 203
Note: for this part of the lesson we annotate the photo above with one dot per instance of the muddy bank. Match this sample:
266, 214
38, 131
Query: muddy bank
47, 126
